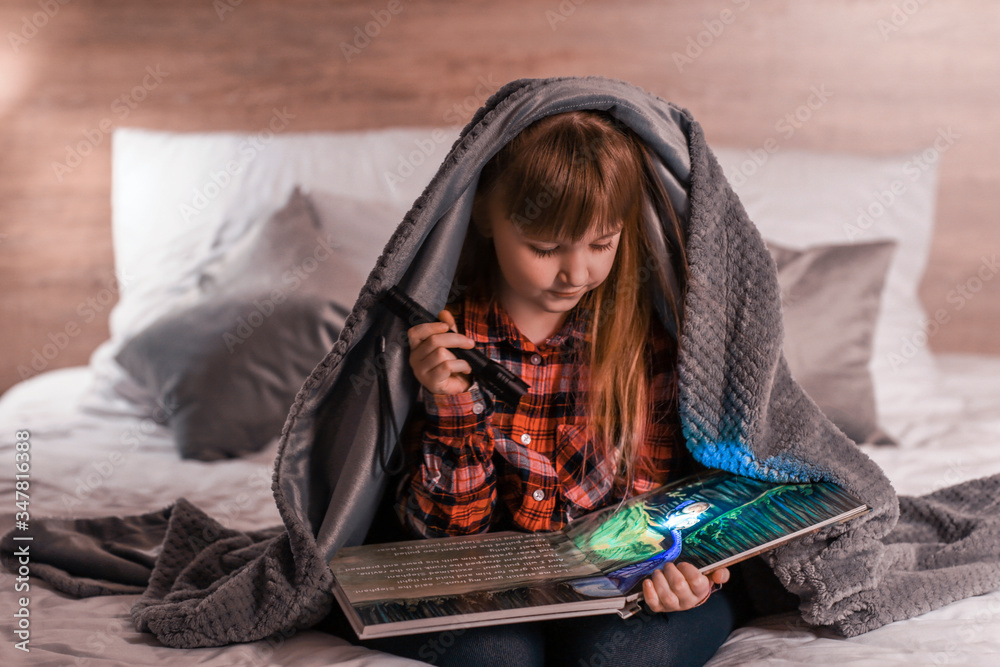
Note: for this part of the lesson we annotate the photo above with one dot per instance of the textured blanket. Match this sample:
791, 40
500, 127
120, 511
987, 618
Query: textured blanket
741, 410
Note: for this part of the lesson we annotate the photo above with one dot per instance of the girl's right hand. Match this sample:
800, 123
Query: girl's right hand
436, 367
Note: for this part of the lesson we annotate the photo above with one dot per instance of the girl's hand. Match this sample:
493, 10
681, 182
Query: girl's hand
436, 367
680, 587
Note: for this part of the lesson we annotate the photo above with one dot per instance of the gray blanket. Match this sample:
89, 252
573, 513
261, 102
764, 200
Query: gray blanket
741, 411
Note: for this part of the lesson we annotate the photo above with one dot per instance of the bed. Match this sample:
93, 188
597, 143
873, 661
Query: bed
194, 220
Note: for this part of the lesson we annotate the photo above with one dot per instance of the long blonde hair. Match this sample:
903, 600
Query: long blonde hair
560, 177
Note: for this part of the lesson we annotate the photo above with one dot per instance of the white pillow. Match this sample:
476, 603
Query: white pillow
181, 200
802, 199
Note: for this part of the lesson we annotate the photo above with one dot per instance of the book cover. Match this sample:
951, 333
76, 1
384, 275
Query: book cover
594, 565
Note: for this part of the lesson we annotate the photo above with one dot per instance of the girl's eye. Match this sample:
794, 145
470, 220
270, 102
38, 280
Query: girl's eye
541, 252
544, 253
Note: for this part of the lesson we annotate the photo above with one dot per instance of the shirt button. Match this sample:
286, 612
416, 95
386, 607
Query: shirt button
536, 359
477, 408
538, 495
525, 438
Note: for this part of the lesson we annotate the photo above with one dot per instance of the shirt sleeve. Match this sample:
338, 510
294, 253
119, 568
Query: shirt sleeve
452, 488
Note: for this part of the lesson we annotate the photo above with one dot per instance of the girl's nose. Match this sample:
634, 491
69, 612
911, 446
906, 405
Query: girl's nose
574, 270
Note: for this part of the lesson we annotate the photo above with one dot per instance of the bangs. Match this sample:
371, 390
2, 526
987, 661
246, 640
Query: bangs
570, 176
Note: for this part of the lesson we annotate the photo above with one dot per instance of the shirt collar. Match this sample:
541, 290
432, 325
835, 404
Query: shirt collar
488, 321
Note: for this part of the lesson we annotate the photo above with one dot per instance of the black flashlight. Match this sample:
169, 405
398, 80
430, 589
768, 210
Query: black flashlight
499, 379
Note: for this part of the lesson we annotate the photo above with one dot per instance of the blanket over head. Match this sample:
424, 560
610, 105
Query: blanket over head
740, 408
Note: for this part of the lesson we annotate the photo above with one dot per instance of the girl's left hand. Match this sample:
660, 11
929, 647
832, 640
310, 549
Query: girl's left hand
680, 587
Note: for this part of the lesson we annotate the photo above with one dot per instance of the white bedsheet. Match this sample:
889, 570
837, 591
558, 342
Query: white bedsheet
85, 465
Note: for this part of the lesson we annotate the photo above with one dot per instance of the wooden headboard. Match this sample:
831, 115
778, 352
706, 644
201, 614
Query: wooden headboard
898, 73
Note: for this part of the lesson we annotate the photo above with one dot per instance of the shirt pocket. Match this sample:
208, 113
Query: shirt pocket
529, 486
585, 475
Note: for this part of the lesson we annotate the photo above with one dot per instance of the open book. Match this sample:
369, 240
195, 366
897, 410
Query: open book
593, 566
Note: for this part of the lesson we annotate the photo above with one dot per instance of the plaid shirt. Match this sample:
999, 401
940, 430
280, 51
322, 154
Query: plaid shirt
486, 465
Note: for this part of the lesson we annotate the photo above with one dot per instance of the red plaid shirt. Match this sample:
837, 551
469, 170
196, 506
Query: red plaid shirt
481, 464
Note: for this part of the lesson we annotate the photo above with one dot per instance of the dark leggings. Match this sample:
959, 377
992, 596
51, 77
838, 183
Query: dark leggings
680, 638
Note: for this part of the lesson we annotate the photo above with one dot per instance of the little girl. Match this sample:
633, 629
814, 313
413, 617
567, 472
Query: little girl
554, 283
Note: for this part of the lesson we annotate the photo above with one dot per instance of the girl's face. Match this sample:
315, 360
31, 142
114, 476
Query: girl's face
546, 276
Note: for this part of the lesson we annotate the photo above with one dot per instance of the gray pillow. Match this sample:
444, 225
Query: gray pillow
830, 298
226, 369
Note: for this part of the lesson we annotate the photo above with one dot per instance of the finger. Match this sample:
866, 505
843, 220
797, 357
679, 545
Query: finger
697, 583
452, 366
446, 378
449, 319
720, 576
436, 347
681, 586
650, 596
421, 354
675, 577
421, 332
434, 364
436, 377
439, 375
664, 592
428, 345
